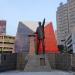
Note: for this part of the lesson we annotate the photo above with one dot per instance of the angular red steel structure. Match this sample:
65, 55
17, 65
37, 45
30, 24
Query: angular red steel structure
49, 41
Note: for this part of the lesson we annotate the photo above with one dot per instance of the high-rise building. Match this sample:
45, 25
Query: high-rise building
2, 27
62, 22
65, 20
71, 14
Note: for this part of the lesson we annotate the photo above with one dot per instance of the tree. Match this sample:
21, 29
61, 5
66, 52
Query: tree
61, 48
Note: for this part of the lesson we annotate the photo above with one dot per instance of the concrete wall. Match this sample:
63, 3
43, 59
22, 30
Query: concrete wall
8, 62
73, 62
51, 59
57, 61
18, 61
21, 60
63, 61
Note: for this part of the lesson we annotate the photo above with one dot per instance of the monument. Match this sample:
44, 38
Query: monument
37, 62
40, 36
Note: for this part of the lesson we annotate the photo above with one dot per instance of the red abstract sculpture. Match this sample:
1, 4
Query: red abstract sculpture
50, 40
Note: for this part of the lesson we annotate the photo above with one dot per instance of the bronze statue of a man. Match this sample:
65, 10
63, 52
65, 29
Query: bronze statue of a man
40, 35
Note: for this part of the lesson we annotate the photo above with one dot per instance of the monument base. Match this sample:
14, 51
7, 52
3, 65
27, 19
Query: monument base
37, 63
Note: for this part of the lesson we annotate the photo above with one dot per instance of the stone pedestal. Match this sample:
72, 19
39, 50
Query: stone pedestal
37, 63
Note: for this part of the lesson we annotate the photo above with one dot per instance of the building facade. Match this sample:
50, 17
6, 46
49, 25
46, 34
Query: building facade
70, 41
2, 27
65, 20
56, 35
71, 14
7, 44
22, 37
62, 22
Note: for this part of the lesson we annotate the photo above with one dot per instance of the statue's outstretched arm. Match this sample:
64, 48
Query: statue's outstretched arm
43, 23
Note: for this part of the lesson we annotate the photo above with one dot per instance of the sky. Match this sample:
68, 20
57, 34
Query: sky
14, 11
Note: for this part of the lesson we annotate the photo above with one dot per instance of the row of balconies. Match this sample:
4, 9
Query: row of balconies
7, 40
7, 45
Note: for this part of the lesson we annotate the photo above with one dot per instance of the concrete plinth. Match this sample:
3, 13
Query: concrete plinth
37, 63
